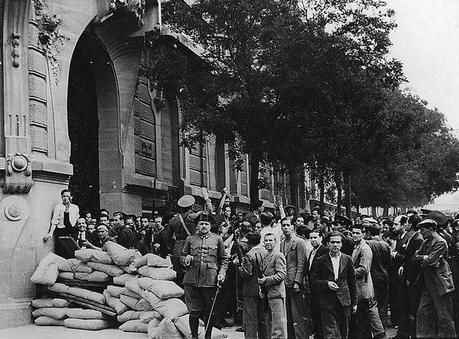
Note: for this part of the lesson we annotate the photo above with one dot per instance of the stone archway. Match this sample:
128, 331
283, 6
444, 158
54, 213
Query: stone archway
92, 108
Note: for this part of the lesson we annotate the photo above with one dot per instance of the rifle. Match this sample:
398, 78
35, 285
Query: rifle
262, 292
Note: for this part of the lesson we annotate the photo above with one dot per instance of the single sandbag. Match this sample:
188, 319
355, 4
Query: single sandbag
133, 286
47, 270
146, 317
87, 324
42, 303
157, 273
164, 289
87, 254
152, 260
46, 321
115, 291
135, 304
95, 276
59, 288
171, 308
111, 270
50, 312
57, 302
80, 313
119, 254
86, 294
115, 303
134, 326
122, 279
75, 265
66, 275
165, 330
129, 315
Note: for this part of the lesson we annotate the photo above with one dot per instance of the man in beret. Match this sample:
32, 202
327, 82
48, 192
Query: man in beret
434, 318
180, 227
206, 262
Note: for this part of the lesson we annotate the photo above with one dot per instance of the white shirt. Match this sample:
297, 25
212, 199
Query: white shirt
58, 215
335, 263
313, 254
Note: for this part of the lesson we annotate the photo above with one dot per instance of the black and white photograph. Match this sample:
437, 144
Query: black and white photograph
241, 169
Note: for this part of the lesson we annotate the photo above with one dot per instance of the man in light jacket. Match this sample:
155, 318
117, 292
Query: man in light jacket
366, 320
298, 312
272, 280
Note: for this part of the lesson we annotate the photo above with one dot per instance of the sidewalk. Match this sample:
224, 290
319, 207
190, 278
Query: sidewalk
58, 332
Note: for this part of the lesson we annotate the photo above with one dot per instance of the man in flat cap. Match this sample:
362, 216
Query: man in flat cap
206, 262
434, 318
180, 227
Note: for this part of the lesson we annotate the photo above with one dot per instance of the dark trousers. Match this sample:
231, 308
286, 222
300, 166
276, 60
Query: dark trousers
335, 320
382, 298
254, 318
199, 302
435, 312
316, 318
409, 303
298, 315
360, 322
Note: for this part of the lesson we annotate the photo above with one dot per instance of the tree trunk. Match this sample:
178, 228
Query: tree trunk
254, 185
347, 189
321, 192
339, 191
385, 211
293, 183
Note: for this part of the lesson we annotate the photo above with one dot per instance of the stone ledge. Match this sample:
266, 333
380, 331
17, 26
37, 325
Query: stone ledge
143, 181
52, 166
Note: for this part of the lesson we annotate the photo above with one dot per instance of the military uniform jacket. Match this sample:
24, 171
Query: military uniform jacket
209, 259
437, 274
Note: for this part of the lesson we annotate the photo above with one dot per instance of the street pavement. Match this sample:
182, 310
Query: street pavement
58, 332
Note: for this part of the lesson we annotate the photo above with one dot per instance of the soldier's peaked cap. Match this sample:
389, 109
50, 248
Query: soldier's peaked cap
427, 223
186, 201
204, 216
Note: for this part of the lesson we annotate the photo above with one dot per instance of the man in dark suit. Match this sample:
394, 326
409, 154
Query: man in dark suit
434, 318
318, 250
411, 285
398, 254
333, 277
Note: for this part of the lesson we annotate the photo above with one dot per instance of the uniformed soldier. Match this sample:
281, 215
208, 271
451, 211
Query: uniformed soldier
206, 263
180, 227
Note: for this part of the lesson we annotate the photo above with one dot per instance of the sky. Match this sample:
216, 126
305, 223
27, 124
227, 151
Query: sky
427, 42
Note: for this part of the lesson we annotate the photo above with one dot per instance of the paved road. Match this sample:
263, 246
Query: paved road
57, 332
52, 332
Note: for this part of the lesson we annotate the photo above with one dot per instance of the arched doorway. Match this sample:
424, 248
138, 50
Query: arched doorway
83, 125
92, 113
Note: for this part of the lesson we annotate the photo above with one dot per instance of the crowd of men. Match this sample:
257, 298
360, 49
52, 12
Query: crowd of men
285, 275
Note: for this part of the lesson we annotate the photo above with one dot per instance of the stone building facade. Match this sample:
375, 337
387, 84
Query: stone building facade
75, 111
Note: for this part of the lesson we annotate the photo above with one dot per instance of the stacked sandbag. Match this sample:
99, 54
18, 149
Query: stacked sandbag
76, 269
57, 312
47, 270
49, 311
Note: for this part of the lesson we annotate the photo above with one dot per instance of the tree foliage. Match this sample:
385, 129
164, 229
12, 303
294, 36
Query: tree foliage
308, 82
